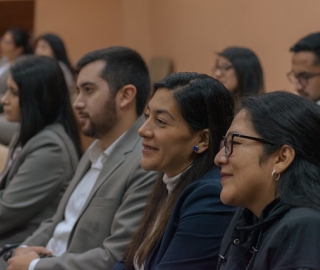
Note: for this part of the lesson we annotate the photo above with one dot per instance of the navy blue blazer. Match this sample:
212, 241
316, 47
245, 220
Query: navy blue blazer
193, 235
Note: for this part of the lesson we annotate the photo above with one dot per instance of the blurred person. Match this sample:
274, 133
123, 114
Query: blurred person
44, 154
305, 67
52, 46
14, 43
105, 200
184, 219
240, 71
270, 166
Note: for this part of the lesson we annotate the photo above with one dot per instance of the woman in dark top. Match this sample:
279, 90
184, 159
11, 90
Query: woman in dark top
240, 71
184, 219
270, 166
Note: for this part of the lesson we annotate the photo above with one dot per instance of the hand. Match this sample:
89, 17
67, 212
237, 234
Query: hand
22, 262
22, 251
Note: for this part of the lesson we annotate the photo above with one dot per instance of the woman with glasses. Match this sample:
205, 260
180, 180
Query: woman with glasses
240, 71
270, 166
184, 219
43, 154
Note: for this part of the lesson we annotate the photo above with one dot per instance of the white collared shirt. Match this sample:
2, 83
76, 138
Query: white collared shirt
59, 241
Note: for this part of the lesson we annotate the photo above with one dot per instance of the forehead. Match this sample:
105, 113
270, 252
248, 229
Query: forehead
163, 99
91, 72
222, 60
304, 60
242, 124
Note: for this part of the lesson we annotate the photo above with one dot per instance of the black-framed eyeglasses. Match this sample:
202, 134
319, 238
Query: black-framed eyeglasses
302, 79
227, 142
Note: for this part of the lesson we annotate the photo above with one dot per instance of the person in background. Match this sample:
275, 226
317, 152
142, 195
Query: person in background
52, 46
184, 218
14, 43
270, 166
44, 154
305, 67
240, 71
104, 202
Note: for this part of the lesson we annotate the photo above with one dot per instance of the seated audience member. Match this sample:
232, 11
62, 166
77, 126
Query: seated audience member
240, 71
184, 220
44, 154
14, 43
52, 46
105, 200
270, 165
305, 67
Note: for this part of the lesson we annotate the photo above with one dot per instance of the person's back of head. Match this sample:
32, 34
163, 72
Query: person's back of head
283, 118
123, 66
248, 70
43, 97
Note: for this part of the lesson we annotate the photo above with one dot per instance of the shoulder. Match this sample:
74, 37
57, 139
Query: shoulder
203, 194
302, 217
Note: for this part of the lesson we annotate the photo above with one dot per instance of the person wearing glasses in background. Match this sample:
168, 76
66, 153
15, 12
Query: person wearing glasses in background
270, 166
240, 71
305, 67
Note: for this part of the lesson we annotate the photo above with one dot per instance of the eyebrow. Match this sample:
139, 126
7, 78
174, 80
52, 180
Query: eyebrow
88, 83
161, 112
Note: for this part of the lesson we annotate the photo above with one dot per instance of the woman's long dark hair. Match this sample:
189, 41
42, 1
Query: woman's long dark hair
58, 48
247, 68
43, 98
205, 104
284, 118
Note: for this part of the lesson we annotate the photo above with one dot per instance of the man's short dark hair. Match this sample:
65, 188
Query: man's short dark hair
123, 66
309, 43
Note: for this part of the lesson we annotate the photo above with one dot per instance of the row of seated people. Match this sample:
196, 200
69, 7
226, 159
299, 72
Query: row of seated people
169, 162
15, 44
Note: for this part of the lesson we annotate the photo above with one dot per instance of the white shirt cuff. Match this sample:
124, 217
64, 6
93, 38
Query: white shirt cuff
33, 263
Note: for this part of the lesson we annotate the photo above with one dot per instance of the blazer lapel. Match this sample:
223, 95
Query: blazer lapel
116, 158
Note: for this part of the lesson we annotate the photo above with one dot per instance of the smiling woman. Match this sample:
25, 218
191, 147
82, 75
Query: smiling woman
270, 165
184, 219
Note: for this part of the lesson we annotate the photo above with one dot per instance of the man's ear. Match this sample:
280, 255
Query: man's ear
203, 142
284, 157
126, 95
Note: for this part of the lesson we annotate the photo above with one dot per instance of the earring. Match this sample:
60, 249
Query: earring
272, 174
196, 148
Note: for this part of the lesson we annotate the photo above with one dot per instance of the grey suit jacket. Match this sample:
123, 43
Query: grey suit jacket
3, 84
110, 215
33, 185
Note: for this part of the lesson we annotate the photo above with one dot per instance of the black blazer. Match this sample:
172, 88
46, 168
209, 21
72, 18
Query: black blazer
193, 235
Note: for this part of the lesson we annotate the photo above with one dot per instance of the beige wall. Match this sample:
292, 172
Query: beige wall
189, 31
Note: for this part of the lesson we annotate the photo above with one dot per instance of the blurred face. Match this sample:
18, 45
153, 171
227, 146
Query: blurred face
225, 73
10, 101
44, 48
246, 181
8, 47
95, 105
167, 139
304, 75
